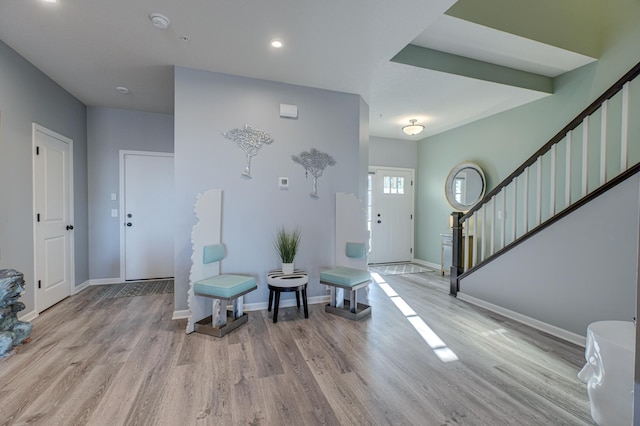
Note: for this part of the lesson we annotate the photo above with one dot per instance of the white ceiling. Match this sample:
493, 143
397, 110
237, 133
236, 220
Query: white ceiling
90, 47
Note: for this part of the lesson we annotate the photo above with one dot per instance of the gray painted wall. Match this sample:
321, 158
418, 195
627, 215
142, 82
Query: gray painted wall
393, 152
109, 131
207, 104
579, 270
364, 136
28, 96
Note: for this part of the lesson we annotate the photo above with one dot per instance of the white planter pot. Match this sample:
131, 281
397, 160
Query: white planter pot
287, 268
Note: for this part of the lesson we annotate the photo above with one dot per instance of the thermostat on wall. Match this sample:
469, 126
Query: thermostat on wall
283, 182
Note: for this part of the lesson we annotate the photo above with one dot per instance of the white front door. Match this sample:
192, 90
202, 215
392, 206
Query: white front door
147, 215
391, 215
53, 203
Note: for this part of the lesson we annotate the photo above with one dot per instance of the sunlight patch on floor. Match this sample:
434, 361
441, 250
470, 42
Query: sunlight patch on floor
496, 332
441, 350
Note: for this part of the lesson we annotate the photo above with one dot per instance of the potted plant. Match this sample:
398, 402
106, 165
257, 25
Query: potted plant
286, 244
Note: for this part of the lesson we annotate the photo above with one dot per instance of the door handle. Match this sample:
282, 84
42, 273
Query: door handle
129, 223
69, 227
379, 221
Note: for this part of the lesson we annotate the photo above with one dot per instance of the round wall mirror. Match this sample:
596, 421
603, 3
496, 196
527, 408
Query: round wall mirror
465, 186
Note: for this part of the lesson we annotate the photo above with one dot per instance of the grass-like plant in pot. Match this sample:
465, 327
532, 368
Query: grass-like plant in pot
286, 244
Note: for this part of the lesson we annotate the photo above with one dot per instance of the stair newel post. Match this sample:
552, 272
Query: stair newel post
456, 253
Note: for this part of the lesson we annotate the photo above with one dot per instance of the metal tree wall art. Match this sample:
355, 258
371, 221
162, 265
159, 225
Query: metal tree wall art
250, 140
314, 162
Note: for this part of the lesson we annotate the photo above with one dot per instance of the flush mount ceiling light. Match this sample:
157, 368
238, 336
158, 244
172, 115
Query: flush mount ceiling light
123, 90
159, 21
413, 129
50, 1
276, 43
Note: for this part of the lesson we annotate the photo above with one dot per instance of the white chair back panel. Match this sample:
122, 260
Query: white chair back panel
351, 227
208, 211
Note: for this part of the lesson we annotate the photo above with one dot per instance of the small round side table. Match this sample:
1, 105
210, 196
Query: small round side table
279, 282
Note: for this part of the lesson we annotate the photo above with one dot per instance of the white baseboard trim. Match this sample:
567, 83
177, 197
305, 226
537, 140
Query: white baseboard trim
101, 281
29, 316
183, 314
434, 266
81, 287
288, 303
531, 322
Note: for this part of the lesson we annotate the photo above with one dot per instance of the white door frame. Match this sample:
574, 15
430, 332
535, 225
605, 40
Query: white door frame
72, 273
121, 219
372, 170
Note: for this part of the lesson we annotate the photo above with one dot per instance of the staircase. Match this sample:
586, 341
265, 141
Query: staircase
587, 158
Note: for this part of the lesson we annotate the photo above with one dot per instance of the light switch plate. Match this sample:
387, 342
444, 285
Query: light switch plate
114, 212
114, 196
283, 182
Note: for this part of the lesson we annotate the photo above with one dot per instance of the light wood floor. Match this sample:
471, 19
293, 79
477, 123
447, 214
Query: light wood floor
125, 362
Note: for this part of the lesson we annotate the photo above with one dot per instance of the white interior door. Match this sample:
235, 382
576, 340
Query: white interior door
53, 203
147, 215
391, 215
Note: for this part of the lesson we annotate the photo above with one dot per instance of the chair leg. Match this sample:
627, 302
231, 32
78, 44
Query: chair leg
275, 307
219, 313
340, 297
348, 308
304, 301
298, 299
270, 300
236, 307
332, 300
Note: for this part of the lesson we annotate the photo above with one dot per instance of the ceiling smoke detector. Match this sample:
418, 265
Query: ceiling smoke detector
159, 21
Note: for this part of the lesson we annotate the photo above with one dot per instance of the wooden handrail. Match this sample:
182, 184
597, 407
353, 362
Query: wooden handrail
611, 92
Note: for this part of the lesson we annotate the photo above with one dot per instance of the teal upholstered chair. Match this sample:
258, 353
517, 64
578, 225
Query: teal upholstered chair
223, 288
342, 279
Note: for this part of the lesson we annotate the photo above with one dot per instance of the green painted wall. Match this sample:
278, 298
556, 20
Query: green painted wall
500, 143
569, 24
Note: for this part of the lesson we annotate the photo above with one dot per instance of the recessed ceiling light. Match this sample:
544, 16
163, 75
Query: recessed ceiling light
276, 43
159, 21
123, 90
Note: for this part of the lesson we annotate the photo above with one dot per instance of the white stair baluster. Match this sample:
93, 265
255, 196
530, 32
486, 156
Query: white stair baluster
567, 171
483, 243
474, 225
539, 191
624, 136
514, 210
465, 245
503, 223
552, 189
603, 142
493, 225
525, 202
585, 154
